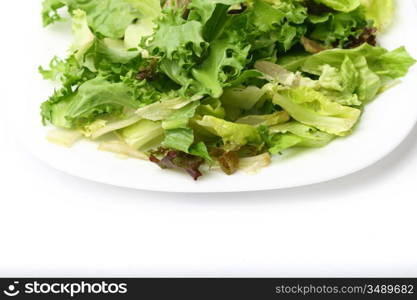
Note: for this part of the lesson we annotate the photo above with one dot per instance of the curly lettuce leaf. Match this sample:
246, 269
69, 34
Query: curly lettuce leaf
172, 38
108, 18
95, 97
68, 71
178, 44
50, 12
213, 14
227, 58
340, 28
187, 57
274, 26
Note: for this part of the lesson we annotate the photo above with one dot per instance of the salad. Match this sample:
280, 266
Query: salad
219, 83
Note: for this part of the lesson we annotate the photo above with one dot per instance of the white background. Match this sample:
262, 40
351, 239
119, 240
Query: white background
52, 224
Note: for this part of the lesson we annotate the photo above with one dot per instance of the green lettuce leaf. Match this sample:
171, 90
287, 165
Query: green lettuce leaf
200, 149
281, 142
339, 85
293, 134
178, 44
273, 26
172, 38
96, 97
50, 12
178, 135
114, 51
381, 12
179, 139
239, 99
340, 28
143, 135
392, 64
136, 32
68, 72
309, 136
375, 67
213, 14
226, 60
109, 18
344, 87
211, 107
265, 120
233, 135
83, 37
341, 5
180, 117
312, 108
164, 109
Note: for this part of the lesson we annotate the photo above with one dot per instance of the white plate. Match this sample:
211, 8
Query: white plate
385, 124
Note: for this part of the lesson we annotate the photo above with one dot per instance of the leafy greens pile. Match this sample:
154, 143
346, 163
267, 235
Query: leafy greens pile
185, 83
